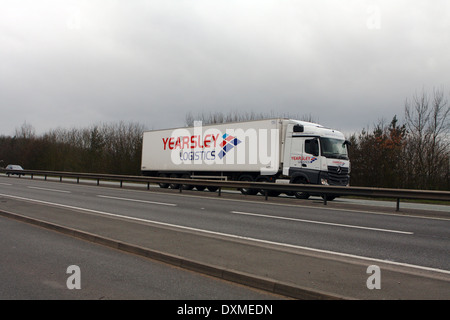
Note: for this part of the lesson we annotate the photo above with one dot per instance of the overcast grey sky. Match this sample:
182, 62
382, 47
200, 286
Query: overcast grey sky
346, 63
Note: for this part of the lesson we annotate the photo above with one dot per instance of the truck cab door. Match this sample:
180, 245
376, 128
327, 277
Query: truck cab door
304, 154
296, 152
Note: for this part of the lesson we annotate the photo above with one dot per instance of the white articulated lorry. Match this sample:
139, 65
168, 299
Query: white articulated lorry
272, 150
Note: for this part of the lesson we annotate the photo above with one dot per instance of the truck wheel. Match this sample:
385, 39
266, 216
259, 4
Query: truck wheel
299, 194
163, 185
213, 189
247, 191
174, 185
200, 188
186, 186
270, 193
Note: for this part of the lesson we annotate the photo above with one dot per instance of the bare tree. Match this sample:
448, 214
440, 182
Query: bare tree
26, 131
428, 147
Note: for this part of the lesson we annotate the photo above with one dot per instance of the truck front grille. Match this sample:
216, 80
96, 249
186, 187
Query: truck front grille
338, 176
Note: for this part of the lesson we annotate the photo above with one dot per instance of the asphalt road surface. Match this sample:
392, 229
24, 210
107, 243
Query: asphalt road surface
415, 241
36, 265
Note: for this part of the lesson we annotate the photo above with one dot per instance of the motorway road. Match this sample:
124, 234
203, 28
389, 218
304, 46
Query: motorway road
35, 262
418, 243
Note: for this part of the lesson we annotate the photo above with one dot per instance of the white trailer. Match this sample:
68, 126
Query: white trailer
272, 150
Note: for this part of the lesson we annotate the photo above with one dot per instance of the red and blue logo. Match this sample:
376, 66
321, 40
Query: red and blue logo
228, 143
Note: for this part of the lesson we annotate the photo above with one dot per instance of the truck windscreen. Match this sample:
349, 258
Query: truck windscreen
333, 148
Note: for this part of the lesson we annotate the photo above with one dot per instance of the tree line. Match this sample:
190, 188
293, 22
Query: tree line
104, 148
413, 154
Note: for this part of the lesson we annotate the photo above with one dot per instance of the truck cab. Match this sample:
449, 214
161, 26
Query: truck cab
315, 154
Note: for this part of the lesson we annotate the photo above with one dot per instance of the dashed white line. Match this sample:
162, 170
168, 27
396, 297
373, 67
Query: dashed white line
46, 189
320, 222
136, 200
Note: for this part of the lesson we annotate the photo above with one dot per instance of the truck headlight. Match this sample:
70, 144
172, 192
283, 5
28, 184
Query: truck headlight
324, 181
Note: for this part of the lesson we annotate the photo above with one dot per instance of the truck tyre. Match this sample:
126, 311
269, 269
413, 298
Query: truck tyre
270, 193
247, 191
212, 189
274, 193
330, 197
163, 185
299, 194
200, 188
174, 185
186, 186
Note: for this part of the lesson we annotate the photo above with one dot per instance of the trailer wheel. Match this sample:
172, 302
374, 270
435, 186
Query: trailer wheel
186, 186
174, 185
247, 191
163, 185
270, 193
200, 188
212, 189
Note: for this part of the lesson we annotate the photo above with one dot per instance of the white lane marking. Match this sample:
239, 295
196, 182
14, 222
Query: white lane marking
233, 236
46, 189
5, 184
142, 201
320, 222
403, 215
